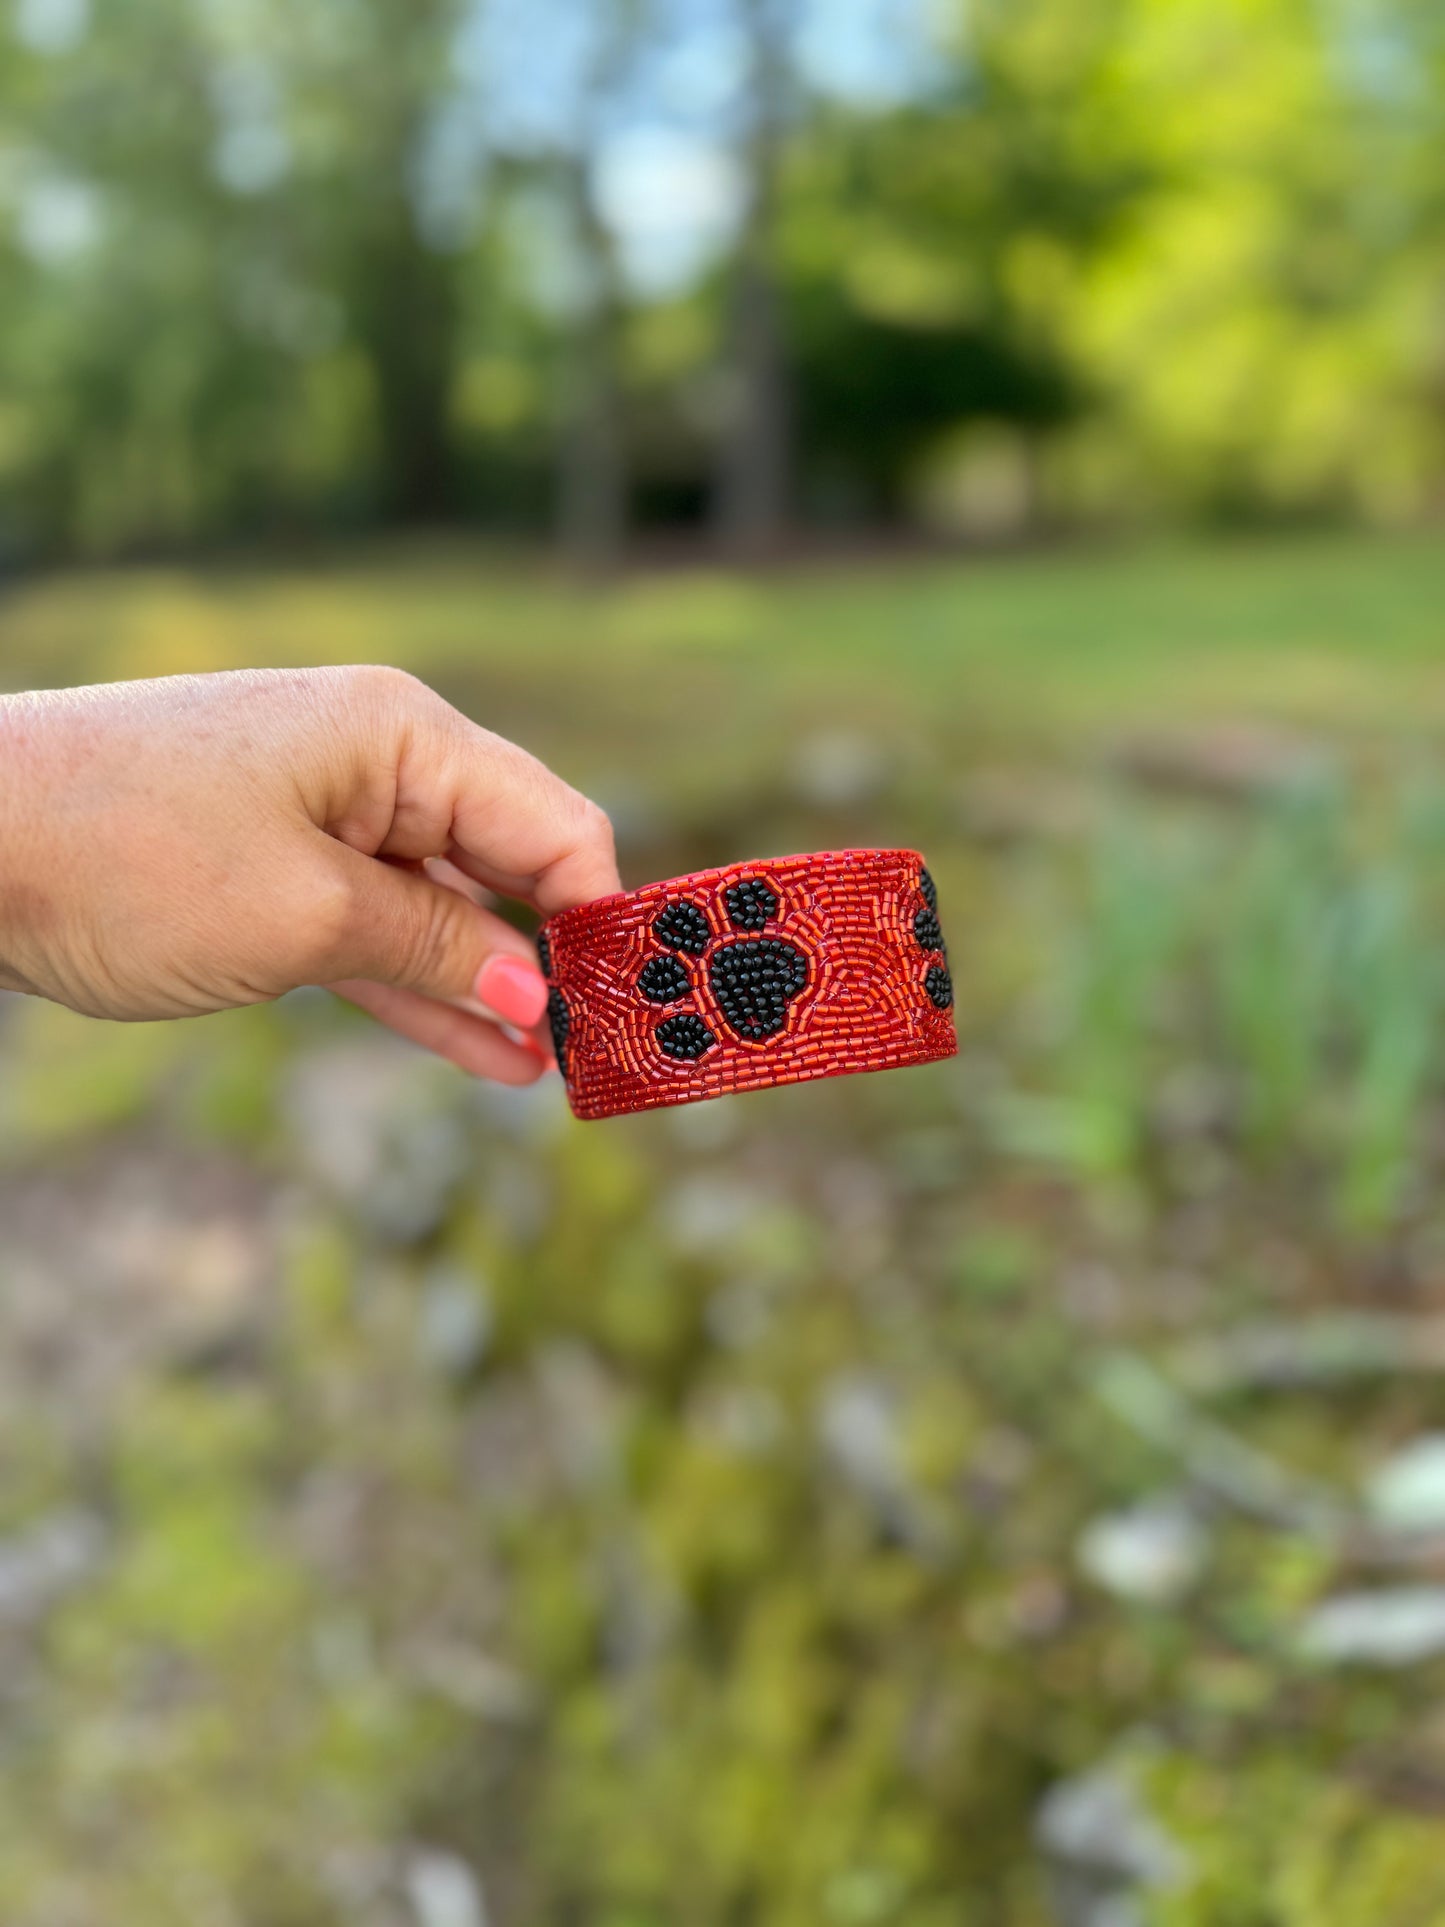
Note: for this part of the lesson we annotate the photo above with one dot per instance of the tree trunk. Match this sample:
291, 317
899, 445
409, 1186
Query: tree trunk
406, 315
403, 291
592, 478
755, 459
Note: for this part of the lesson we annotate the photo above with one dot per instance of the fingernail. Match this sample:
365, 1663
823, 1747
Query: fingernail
514, 989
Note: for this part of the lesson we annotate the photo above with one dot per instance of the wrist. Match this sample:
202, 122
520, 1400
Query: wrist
25, 902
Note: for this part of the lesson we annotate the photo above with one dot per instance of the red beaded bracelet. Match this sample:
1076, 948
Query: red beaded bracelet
756, 974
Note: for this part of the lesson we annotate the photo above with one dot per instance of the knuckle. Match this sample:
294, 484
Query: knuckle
385, 686
596, 826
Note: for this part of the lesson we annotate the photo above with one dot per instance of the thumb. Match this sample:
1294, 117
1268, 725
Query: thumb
399, 927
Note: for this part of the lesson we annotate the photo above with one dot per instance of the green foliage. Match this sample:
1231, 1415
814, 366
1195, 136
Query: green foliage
1280, 1852
265, 269
1291, 972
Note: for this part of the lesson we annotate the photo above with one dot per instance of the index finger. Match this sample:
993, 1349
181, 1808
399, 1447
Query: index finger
520, 829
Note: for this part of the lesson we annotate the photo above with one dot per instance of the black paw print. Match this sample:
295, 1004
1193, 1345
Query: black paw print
559, 1018
928, 935
753, 978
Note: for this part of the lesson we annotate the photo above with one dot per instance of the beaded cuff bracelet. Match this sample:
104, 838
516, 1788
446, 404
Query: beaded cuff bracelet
756, 974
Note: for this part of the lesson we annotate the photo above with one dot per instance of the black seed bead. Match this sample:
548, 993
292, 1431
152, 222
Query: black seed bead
682, 926
684, 1036
560, 1019
929, 889
663, 980
754, 981
751, 904
939, 986
544, 953
927, 931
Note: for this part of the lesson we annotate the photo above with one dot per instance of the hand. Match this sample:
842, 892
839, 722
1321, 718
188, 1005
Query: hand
186, 845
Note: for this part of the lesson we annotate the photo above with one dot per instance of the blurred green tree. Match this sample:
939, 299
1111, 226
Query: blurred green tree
263, 266
368, 83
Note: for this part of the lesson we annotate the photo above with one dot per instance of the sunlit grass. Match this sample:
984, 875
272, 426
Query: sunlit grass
1348, 630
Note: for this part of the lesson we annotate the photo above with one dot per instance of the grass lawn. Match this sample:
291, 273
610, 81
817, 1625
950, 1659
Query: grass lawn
1344, 631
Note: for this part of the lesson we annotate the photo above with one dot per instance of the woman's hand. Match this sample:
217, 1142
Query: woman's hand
180, 846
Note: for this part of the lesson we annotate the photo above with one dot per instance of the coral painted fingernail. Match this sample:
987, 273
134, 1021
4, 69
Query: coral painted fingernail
514, 989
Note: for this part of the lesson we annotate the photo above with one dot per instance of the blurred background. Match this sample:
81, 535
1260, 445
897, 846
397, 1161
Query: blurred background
1007, 1494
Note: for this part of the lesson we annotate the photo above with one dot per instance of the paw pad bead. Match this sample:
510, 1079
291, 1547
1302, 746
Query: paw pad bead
751, 905
663, 980
685, 1036
927, 930
682, 926
559, 1020
768, 972
755, 981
